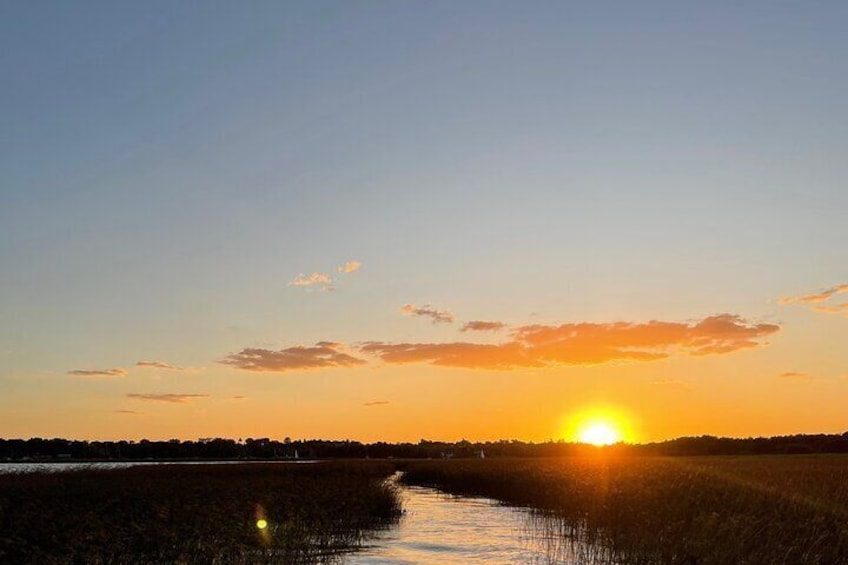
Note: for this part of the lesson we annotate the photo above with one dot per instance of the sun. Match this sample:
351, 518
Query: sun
599, 424
599, 432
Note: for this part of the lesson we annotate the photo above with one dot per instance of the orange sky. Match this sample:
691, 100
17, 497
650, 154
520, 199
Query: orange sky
395, 221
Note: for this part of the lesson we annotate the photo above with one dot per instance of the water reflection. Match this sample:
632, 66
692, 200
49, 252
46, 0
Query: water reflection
438, 528
55, 467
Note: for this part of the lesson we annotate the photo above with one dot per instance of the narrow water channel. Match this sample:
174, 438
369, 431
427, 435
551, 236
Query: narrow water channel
438, 528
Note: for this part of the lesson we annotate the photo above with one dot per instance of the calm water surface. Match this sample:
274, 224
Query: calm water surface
436, 528
439, 528
56, 467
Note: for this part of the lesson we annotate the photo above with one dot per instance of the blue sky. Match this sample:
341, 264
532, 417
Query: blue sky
166, 170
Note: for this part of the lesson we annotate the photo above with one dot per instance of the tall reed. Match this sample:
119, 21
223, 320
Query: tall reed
667, 511
245, 513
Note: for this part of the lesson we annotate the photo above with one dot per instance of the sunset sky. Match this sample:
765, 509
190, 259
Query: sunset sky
404, 220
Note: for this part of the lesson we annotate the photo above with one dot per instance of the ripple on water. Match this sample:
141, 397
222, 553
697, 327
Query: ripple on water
439, 528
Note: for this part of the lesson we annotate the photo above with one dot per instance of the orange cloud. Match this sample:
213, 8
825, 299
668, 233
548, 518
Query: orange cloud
795, 376
160, 365
835, 309
469, 355
814, 298
480, 326
585, 344
376, 403
314, 279
670, 383
127, 412
109, 373
438, 316
323, 354
350, 267
172, 398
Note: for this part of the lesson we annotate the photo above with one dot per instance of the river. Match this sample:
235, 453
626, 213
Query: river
436, 528
439, 529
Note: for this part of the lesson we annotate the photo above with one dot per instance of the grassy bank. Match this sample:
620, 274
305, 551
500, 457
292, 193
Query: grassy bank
193, 514
705, 511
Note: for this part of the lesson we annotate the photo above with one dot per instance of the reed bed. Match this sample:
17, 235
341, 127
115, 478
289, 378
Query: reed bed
768, 510
194, 514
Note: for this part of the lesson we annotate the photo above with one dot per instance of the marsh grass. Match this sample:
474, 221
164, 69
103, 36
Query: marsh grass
654, 510
194, 514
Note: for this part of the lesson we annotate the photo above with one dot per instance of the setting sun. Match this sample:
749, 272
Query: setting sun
600, 424
599, 433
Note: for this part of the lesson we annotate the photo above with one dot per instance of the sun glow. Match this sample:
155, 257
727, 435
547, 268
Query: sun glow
599, 433
599, 425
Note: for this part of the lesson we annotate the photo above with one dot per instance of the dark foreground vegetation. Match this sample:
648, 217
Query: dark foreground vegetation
194, 514
266, 448
656, 510
601, 507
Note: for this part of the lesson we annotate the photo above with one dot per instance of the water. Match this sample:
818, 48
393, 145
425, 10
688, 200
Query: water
57, 467
438, 529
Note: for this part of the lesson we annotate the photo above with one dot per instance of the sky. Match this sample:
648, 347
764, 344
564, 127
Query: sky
403, 220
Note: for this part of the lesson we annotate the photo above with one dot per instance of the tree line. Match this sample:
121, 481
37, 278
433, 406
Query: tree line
266, 448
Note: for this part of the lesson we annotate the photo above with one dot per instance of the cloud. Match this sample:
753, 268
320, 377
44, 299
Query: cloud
815, 301
457, 354
172, 398
835, 309
323, 354
438, 316
161, 365
670, 383
349, 267
480, 326
795, 376
315, 279
585, 344
376, 403
109, 373
127, 412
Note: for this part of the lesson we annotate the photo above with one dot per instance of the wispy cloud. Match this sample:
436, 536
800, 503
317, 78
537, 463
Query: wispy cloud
816, 297
168, 397
815, 300
316, 280
585, 344
481, 326
107, 373
162, 365
835, 309
349, 267
796, 376
133, 412
322, 355
376, 403
438, 316
671, 383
